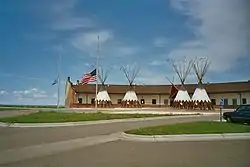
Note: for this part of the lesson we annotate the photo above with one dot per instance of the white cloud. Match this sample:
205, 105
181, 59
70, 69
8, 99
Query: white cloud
124, 50
60, 15
3, 92
30, 93
222, 33
71, 23
160, 42
88, 41
156, 63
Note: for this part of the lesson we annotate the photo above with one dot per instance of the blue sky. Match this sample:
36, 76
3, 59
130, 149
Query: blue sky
143, 32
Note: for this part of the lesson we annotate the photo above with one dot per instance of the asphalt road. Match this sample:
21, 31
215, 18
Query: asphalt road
139, 154
20, 137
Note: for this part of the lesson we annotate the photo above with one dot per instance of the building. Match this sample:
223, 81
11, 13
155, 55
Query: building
233, 93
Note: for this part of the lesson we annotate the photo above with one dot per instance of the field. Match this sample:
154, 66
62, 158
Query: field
13, 107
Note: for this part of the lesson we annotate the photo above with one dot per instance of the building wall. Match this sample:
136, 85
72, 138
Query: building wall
86, 98
230, 97
159, 99
69, 95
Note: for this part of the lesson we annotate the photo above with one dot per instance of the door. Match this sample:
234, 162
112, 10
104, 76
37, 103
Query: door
142, 101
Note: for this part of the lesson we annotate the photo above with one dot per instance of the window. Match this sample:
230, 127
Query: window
244, 101
142, 101
214, 101
166, 101
234, 102
225, 102
243, 108
119, 101
80, 100
153, 101
93, 101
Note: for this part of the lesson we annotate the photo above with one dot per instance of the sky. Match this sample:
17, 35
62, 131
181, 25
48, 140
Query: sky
143, 33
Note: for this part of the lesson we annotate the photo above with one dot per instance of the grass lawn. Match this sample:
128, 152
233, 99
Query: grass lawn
49, 117
30, 106
10, 108
192, 128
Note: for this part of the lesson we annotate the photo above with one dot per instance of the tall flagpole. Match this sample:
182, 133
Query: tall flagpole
97, 73
58, 82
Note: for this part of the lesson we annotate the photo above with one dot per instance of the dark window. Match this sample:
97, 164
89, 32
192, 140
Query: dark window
93, 101
244, 101
153, 101
234, 102
119, 101
142, 101
214, 101
80, 100
225, 102
243, 108
166, 101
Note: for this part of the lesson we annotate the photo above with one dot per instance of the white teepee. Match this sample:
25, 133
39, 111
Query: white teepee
182, 69
130, 98
200, 67
102, 95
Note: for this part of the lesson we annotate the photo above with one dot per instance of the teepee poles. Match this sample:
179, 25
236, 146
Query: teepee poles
130, 99
200, 97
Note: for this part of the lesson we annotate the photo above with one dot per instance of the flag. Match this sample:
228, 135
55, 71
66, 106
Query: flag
55, 82
89, 77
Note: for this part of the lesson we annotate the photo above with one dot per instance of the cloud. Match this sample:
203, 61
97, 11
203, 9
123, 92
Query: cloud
60, 15
3, 92
160, 42
30, 93
88, 41
222, 34
156, 63
72, 23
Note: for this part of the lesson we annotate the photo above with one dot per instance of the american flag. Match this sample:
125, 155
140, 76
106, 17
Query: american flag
89, 77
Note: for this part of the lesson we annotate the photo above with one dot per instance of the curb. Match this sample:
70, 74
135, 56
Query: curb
63, 124
188, 137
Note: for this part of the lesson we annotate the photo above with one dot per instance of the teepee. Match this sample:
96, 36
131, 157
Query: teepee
103, 99
172, 92
130, 99
200, 67
182, 69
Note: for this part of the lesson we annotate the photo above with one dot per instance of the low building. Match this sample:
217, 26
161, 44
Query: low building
233, 93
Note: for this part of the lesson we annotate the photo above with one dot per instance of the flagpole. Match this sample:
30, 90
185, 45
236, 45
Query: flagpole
97, 73
58, 82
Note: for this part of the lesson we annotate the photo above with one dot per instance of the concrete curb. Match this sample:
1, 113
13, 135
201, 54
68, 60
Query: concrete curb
43, 125
188, 137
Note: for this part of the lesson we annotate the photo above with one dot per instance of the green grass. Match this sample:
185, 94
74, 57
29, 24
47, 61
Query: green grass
49, 117
30, 106
11, 108
192, 128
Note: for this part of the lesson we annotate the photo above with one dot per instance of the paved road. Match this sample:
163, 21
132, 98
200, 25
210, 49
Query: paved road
137, 154
20, 137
